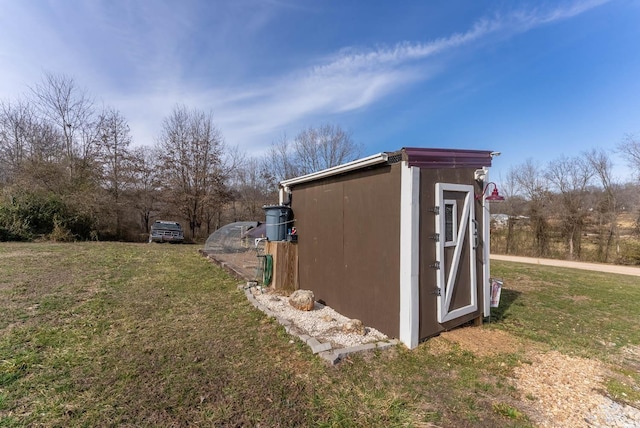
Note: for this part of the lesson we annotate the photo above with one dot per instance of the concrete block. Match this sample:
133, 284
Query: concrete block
305, 338
269, 312
385, 345
353, 349
331, 357
316, 346
283, 321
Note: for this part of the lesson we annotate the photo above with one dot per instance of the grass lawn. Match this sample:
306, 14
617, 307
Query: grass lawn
113, 334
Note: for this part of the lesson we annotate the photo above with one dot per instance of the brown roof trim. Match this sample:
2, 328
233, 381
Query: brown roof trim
446, 158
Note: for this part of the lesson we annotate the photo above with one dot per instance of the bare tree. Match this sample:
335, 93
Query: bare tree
608, 205
70, 109
144, 166
15, 122
231, 160
114, 141
531, 183
191, 152
514, 207
313, 149
254, 186
630, 148
29, 148
15, 133
282, 159
570, 178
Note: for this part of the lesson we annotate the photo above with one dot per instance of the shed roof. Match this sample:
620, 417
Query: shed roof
415, 156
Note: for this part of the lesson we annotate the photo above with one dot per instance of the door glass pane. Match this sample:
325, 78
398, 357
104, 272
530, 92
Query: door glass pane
450, 222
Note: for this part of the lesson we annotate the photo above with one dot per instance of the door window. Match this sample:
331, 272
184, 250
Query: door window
450, 222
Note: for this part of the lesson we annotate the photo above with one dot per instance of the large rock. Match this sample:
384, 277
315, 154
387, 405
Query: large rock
302, 299
354, 326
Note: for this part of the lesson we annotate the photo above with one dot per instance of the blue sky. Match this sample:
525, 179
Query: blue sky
531, 79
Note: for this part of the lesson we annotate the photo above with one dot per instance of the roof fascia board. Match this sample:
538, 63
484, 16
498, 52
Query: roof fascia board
447, 158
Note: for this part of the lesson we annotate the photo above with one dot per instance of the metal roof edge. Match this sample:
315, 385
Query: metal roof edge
414, 156
336, 170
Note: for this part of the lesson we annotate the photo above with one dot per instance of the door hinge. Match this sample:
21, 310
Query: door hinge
435, 265
435, 210
475, 233
437, 292
435, 237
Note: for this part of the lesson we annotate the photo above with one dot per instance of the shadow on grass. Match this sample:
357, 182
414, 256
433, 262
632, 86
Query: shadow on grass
507, 298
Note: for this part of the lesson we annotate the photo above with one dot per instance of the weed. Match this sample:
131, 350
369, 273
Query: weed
434, 417
10, 371
507, 411
623, 390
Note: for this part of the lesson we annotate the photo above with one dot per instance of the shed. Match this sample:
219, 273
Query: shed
399, 240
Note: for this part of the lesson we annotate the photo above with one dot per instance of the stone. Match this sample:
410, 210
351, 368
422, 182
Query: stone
302, 300
328, 318
354, 326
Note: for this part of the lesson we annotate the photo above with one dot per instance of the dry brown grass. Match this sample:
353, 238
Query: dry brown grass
109, 334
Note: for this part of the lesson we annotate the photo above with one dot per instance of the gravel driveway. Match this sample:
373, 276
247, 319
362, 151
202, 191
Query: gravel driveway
598, 267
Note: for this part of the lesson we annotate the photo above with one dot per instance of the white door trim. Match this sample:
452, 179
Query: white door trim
446, 277
486, 254
409, 255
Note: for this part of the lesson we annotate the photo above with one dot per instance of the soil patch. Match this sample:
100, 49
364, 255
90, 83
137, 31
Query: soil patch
482, 341
579, 299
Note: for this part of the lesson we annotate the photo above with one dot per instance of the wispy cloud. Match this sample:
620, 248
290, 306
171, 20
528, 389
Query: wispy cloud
352, 79
147, 48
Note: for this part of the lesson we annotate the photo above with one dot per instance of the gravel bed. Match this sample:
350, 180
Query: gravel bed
566, 391
323, 323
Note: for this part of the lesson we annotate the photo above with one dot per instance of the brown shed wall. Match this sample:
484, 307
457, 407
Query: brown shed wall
348, 242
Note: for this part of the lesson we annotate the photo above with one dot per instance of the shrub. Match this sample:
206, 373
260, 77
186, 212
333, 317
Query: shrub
629, 252
27, 215
60, 233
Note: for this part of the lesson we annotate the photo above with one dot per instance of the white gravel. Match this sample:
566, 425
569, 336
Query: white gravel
612, 414
323, 323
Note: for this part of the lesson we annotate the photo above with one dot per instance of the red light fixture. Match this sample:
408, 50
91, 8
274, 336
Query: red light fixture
495, 196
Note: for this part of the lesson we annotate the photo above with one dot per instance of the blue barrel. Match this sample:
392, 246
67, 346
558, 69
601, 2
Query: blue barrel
278, 220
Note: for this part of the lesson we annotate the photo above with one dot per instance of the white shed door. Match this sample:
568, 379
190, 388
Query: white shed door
456, 243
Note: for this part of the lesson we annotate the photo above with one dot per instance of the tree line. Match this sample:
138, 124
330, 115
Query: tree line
70, 170
572, 207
